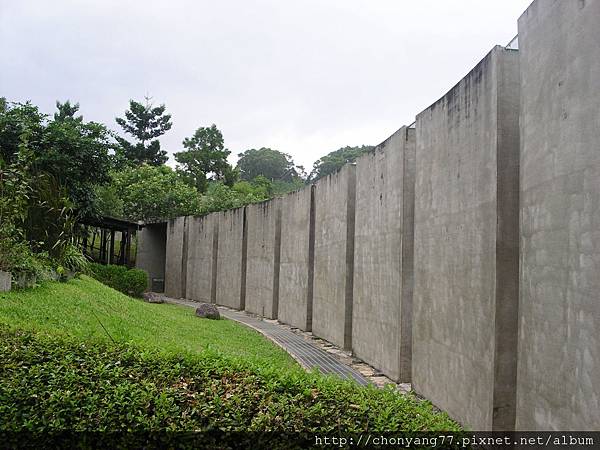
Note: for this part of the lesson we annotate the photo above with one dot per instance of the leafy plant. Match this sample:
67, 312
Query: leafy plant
128, 281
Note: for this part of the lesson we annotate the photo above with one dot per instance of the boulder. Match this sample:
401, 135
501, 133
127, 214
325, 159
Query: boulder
5, 281
208, 311
153, 297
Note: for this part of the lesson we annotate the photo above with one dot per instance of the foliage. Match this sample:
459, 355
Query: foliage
272, 164
72, 260
75, 153
61, 371
149, 193
205, 158
334, 161
144, 122
128, 281
66, 111
220, 197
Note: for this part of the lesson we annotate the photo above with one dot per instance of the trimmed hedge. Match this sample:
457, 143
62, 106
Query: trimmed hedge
52, 383
132, 282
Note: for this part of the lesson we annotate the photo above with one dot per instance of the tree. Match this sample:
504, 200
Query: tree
219, 197
149, 193
272, 164
73, 152
66, 111
333, 161
145, 123
205, 158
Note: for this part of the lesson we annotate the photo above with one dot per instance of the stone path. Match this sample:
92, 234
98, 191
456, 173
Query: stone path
306, 353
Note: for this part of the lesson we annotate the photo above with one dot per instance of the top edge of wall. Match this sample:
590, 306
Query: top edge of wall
479, 67
532, 10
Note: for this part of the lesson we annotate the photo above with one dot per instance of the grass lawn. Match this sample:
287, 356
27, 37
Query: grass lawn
82, 306
168, 370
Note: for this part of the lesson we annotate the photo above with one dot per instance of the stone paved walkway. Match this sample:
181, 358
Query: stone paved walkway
308, 355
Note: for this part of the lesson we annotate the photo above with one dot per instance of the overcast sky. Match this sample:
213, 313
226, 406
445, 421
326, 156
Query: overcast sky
305, 77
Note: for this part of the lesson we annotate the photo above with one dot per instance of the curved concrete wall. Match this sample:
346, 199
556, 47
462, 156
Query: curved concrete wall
559, 349
263, 221
381, 315
466, 245
468, 340
297, 261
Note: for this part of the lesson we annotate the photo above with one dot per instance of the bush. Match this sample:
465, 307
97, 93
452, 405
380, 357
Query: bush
54, 383
128, 281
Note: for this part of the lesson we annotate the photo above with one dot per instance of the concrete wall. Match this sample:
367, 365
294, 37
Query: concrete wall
151, 252
559, 351
382, 310
231, 259
466, 246
176, 258
334, 256
201, 270
262, 262
297, 259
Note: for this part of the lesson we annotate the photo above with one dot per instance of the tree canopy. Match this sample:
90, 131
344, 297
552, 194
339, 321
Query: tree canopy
205, 158
271, 164
333, 161
74, 152
144, 122
148, 193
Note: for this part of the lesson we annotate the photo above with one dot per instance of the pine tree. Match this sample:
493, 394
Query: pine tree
145, 122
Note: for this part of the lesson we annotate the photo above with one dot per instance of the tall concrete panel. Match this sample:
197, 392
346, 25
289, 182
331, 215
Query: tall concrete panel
383, 282
231, 258
200, 278
176, 258
334, 256
263, 221
559, 348
466, 246
151, 253
296, 262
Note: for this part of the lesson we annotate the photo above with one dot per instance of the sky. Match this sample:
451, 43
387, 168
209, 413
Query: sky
305, 77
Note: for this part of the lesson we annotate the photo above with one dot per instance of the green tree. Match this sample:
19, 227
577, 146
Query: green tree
205, 158
66, 111
220, 197
272, 164
149, 193
145, 122
333, 161
73, 152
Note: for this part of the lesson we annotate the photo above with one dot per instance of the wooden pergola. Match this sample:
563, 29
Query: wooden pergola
99, 241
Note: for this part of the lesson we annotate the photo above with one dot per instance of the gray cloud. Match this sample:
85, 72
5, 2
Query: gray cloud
304, 77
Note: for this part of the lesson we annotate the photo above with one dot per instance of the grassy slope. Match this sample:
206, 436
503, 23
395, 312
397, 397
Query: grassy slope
77, 307
168, 370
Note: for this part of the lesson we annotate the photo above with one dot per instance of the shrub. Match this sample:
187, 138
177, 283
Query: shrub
128, 281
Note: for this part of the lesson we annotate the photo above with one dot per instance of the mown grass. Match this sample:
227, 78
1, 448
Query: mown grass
87, 309
168, 370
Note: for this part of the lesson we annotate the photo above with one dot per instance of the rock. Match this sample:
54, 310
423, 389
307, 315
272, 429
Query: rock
152, 297
5, 281
208, 311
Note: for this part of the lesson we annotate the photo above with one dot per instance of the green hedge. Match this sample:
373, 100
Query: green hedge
128, 281
54, 383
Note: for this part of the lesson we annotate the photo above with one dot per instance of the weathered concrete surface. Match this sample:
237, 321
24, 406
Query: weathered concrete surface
151, 252
296, 265
200, 285
466, 246
559, 349
263, 221
176, 258
383, 282
5, 281
231, 259
334, 256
